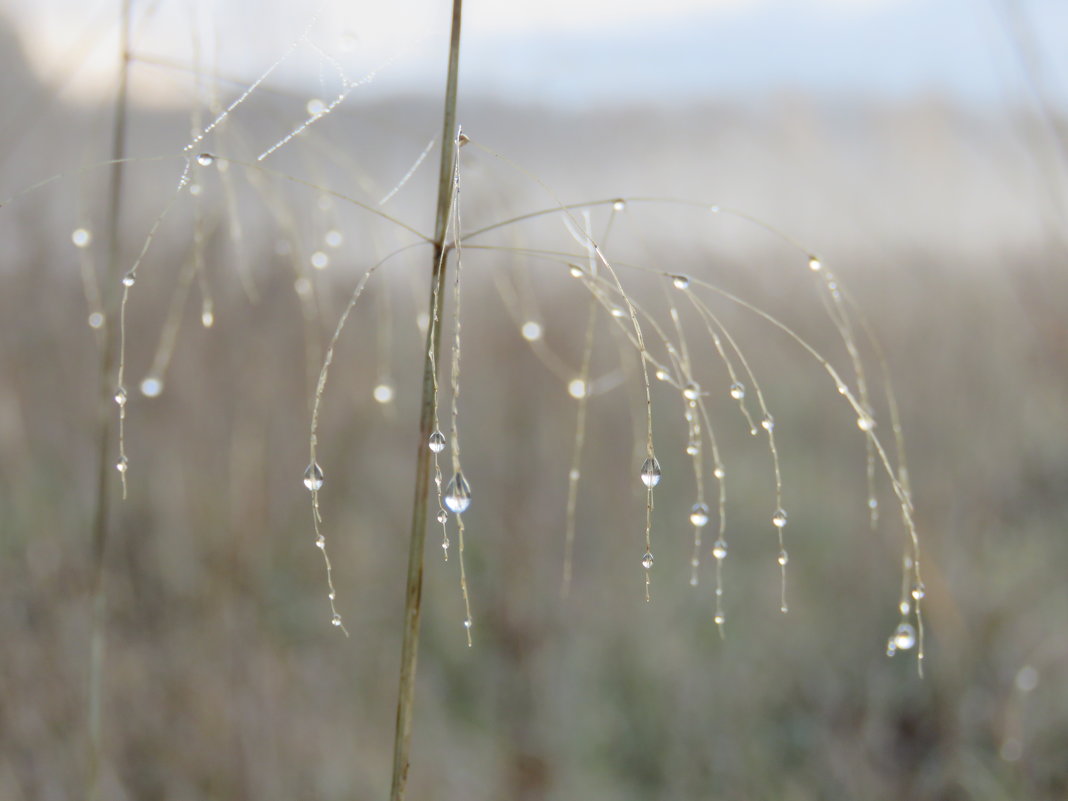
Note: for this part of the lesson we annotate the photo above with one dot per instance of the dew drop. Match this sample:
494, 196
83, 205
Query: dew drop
699, 514
331, 595
151, 387
650, 472
680, 281
662, 375
905, 607
205, 159
443, 516
333, 238
814, 264
313, 477
81, 237
904, 636
129, 279
865, 423
691, 391
719, 550
207, 318
383, 393
437, 442
693, 448
873, 503
718, 619
195, 189
714, 209
574, 475
768, 423
779, 518
319, 260
531, 331
784, 558
719, 472
96, 320
619, 205
336, 620
617, 312
468, 623
891, 649
918, 591
737, 390
120, 396
576, 271
122, 465
458, 494
647, 560
577, 388
315, 107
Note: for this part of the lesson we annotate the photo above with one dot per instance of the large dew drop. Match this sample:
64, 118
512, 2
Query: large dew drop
647, 560
651, 473
737, 390
699, 514
313, 477
904, 637
437, 442
458, 494
680, 281
779, 518
691, 391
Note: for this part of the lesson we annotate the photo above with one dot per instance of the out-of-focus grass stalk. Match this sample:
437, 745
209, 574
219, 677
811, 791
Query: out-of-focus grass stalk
414, 593
105, 411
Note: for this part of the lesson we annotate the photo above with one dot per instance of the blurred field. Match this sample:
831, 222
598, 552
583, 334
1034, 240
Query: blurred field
225, 679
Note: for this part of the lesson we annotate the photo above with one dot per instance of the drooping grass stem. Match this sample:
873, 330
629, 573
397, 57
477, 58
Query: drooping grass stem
414, 591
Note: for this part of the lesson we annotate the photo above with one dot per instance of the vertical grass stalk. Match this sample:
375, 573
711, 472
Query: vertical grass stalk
414, 593
98, 543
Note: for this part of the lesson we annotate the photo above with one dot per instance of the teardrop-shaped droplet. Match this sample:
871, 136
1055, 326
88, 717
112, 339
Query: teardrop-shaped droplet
437, 442
680, 281
699, 514
576, 271
458, 493
719, 550
918, 591
737, 390
768, 423
647, 560
779, 518
336, 620
784, 557
129, 279
313, 477
205, 159
814, 264
120, 396
122, 465
619, 205
691, 391
651, 472
443, 516
905, 636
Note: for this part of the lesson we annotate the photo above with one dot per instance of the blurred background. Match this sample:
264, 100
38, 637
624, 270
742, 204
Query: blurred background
919, 148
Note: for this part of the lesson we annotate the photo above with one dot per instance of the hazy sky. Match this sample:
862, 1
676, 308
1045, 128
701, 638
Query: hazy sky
575, 52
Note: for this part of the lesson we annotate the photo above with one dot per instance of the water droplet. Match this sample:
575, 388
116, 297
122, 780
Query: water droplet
905, 607
918, 591
865, 423
891, 649
904, 636
205, 159
573, 475
617, 312
207, 318
779, 518
313, 477
468, 623
96, 320
122, 465
680, 281
383, 393
691, 391
714, 209
784, 557
842, 389
650, 472
319, 260
619, 205
336, 620
662, 375
719, 550
577, 388
576, 271
81, 237
195, 189
458, 494
333, 238
120, 396
768, 423
814, 264
699, 514
647, 560
437, 442
719, 472
331, 595
315, 107
531, 331
693, 448
151, 387
873, 503
129, 279
737, 390
443, 516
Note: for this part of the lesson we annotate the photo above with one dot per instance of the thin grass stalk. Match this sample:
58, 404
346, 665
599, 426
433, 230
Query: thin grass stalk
99, 536
414, 593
